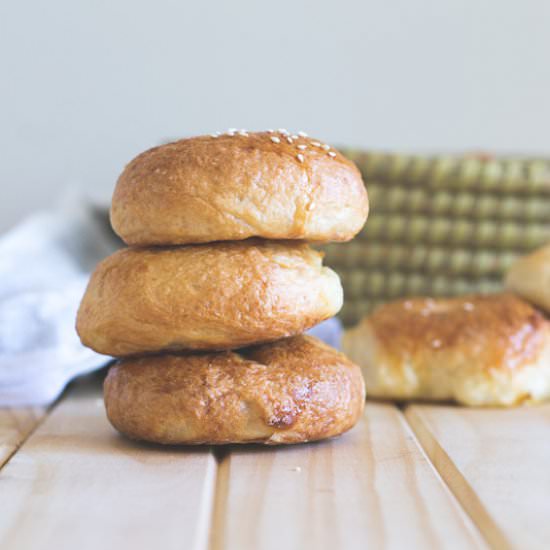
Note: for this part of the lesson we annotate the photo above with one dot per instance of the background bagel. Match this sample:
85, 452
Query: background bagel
290, 391
232, 187
529, 276
476, 350
217, 296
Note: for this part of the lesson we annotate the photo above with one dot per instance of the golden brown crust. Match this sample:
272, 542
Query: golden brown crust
211, 297
530, 277
207, 189
290, 391
477, 350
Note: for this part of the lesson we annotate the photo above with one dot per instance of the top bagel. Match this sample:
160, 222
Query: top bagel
239, 185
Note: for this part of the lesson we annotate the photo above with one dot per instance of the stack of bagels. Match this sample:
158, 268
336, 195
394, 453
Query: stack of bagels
206, 308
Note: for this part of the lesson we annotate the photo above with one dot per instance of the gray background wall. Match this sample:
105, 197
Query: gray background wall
87, 84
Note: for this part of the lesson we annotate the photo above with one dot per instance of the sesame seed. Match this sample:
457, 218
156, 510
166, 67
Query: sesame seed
325, 147
407, 304
331, 154
217, 134
283, 131
231, 130
289, 139
468, 306
243, 133
315, 143
294, 136
302, 134
275, 139
300, 157
302, 147
271, 131
436, 343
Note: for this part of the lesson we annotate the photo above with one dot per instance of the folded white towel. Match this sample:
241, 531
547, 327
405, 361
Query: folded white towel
44, 265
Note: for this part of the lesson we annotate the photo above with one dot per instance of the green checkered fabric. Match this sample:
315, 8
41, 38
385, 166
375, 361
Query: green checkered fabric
440, 226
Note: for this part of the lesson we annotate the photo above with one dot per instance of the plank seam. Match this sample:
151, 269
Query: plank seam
468, 522
457, 484
207, 502
221, 490
26, 437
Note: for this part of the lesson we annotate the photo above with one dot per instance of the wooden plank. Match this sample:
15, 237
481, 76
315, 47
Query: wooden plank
372, 488
75, 483
497, 464
15, 426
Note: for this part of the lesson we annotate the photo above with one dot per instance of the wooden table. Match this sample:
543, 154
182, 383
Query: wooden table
418, 478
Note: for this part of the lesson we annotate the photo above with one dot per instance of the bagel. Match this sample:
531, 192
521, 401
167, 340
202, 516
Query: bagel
529, 277
290, 391
205, 297
477, 350
236, 186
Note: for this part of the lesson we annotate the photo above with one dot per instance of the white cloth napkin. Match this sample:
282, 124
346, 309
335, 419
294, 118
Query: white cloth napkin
44, 268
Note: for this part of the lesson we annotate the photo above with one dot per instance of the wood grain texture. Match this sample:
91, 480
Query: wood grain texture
371, 488
75, 483
15, 426
497, 464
